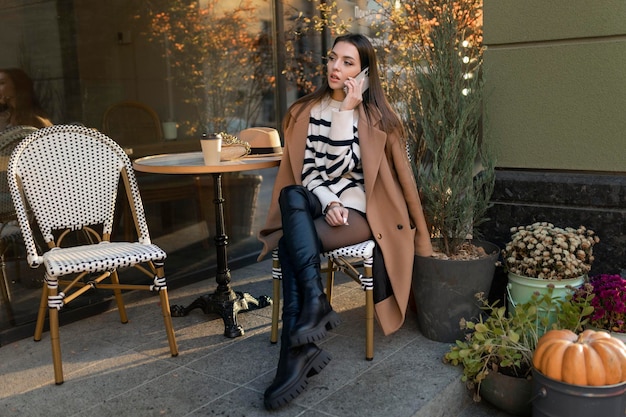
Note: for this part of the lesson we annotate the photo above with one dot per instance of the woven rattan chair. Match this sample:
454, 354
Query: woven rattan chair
131, 123
9, 230
69, 177
346, 259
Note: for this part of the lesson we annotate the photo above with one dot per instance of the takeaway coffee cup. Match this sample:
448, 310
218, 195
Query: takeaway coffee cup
211, 148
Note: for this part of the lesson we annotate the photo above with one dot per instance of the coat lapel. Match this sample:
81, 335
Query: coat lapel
298, 144
372, 142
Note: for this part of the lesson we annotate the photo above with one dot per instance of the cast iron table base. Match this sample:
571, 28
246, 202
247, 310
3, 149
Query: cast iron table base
225, 307
224, 301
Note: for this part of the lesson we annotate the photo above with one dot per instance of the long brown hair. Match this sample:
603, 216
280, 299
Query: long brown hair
27, 106
374, 99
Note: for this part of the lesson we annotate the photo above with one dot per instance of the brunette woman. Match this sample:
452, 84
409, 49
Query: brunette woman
344, 178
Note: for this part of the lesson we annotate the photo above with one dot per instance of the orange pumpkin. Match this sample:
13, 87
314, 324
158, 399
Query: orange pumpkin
590, 358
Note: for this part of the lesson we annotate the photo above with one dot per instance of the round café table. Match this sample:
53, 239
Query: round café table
223, 301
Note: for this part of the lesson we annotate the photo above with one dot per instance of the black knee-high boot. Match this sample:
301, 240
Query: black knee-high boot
296, 364
298, 209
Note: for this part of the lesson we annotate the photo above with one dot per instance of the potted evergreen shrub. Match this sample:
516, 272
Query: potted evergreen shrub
454, 166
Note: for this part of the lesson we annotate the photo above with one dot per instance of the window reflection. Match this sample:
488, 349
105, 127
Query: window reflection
196, 65
219, 58
206, 66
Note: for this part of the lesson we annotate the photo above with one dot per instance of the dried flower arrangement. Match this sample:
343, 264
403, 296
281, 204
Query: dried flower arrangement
542, 250
609, 302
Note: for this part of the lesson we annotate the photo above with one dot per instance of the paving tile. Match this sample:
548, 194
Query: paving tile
242, 402
113, 369
175, 393
95, 382
240, 362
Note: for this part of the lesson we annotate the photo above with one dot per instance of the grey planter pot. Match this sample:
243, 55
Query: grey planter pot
508, 393
444, 292
555, 398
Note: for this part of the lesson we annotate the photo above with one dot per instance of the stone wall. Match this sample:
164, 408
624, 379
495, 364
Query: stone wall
597, 201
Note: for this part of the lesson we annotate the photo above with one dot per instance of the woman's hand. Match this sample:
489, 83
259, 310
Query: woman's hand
354, 97
337, 215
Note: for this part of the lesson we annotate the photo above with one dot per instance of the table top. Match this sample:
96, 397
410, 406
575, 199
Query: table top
193, 163
162, 147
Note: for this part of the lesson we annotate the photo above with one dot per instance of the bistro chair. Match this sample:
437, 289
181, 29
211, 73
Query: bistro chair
69, 176
9, 229
131, 123
347, 260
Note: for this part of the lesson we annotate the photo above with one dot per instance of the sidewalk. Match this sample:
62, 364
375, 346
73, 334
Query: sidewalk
126, 370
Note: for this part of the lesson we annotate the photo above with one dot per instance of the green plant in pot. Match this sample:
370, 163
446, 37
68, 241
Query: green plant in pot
454, 166
497, 351
542, 253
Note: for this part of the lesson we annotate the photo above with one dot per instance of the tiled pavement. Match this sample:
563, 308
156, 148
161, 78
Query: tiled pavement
126, 370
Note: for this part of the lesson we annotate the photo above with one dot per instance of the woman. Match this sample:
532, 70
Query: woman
344, 178
18, 104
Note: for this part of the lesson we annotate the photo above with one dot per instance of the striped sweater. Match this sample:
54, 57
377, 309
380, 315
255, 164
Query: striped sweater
332, 167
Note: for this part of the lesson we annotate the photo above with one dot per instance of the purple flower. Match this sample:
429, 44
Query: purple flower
609, 302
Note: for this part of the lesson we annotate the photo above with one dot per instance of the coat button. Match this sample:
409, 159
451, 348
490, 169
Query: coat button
379, 236
400, 227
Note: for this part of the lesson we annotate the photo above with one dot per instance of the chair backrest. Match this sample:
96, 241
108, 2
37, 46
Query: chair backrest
8, 139
68, 175
132, 123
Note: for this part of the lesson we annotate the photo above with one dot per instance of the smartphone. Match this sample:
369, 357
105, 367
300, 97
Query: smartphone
362, 75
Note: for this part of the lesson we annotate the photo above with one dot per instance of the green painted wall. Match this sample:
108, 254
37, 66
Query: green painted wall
555, 76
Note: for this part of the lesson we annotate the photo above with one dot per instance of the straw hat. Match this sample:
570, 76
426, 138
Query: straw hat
264, 141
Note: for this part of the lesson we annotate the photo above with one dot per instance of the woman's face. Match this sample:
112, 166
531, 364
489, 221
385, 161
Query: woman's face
343, 62
7, 91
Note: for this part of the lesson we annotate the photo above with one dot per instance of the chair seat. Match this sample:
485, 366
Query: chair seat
103, 256
360, 250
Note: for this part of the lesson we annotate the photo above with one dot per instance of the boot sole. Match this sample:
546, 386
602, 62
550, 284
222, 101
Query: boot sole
319, 332
314, 367
319, 362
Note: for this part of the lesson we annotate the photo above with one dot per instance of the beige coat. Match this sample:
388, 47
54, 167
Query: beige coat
394, 211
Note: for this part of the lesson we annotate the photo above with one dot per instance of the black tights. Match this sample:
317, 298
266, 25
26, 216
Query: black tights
332, 237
